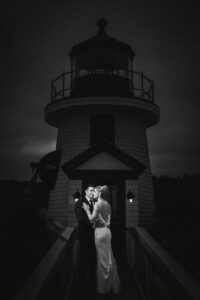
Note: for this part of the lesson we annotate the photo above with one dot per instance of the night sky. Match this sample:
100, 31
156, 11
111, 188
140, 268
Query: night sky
35, 43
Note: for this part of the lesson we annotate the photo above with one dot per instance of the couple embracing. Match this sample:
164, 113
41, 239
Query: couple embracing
96, 257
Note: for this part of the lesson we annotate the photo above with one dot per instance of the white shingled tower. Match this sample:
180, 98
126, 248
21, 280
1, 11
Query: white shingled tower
102, 108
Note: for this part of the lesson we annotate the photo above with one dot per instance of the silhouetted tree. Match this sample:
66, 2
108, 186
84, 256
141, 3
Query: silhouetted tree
177, 218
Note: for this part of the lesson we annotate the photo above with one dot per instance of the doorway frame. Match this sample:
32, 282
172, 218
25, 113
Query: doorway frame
106, 177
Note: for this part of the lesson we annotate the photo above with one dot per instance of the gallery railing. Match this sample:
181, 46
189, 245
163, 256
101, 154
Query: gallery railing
81, 83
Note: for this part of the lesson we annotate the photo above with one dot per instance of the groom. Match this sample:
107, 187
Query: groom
87, 253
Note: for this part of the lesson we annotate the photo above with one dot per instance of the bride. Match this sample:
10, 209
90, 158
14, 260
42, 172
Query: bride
107, 275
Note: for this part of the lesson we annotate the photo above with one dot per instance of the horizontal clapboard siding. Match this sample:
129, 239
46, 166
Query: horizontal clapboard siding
73, 138
131, 137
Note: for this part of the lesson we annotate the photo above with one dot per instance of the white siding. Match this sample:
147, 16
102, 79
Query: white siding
73, 138
131, 138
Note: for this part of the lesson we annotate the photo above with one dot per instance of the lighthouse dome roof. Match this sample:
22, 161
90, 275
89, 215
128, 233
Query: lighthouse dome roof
101, 39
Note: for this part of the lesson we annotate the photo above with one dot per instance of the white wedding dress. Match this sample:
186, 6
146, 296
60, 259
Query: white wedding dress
107, 274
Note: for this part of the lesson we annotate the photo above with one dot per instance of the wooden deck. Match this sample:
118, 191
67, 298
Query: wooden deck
128, 284
150, 273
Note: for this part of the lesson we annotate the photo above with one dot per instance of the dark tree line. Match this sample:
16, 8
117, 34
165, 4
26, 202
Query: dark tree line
26, 234
177, 222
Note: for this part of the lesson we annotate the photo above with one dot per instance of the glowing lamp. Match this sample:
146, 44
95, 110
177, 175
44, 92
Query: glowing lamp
76, 196
130, 196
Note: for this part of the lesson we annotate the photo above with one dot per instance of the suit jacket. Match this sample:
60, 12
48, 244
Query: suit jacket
85, 228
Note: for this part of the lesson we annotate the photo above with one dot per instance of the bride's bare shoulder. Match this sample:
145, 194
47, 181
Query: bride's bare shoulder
96, 204
106, 204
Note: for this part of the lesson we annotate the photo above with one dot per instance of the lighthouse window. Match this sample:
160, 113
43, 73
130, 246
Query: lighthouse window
102, 128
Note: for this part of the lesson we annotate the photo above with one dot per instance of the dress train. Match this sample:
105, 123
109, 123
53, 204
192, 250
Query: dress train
107, 275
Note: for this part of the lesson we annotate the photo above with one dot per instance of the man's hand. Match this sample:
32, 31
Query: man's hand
85, 206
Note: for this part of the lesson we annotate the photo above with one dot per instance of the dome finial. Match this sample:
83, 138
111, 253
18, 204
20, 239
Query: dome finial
102, 24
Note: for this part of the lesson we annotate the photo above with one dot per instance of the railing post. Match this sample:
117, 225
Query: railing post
63, 84
131, 76
148, 276
71, 73
132, 83
142, 84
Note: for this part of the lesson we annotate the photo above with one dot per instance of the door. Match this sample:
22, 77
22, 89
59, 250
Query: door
118, 225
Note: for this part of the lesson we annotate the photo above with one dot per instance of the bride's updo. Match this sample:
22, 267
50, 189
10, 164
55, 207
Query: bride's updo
104, 192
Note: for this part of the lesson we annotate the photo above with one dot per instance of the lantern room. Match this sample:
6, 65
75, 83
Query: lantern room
101, 66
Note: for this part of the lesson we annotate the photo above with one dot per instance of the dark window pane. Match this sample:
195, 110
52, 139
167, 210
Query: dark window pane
102, 128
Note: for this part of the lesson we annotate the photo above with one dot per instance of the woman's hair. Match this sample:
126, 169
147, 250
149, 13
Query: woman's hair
98, 188
104, 191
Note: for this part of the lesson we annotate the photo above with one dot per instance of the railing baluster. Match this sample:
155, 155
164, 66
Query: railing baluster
63, 84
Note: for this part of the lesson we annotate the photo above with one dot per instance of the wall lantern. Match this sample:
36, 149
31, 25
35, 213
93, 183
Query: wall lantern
76, 196
130, 196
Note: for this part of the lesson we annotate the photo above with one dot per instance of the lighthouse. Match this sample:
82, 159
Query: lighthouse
102, 108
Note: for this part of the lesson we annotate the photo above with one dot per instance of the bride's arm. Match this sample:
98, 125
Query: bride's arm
107, 224
92, 217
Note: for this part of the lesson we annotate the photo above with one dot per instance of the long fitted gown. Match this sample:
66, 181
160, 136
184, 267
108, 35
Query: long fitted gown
107, 274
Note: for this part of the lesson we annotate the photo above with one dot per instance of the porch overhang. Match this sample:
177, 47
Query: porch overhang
101, 158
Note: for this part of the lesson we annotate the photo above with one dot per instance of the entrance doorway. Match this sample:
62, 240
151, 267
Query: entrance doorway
118, 218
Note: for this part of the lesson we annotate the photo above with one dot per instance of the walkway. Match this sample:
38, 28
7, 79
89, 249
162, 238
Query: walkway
129, 289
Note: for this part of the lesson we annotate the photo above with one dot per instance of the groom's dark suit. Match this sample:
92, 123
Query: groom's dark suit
87, 254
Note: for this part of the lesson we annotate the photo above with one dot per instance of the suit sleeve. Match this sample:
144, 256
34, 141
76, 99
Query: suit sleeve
80, 213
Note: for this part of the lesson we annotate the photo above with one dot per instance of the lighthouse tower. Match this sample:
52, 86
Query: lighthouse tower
102, 108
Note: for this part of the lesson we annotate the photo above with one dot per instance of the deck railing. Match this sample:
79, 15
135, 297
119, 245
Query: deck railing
158, 275
53, 277
139, 85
